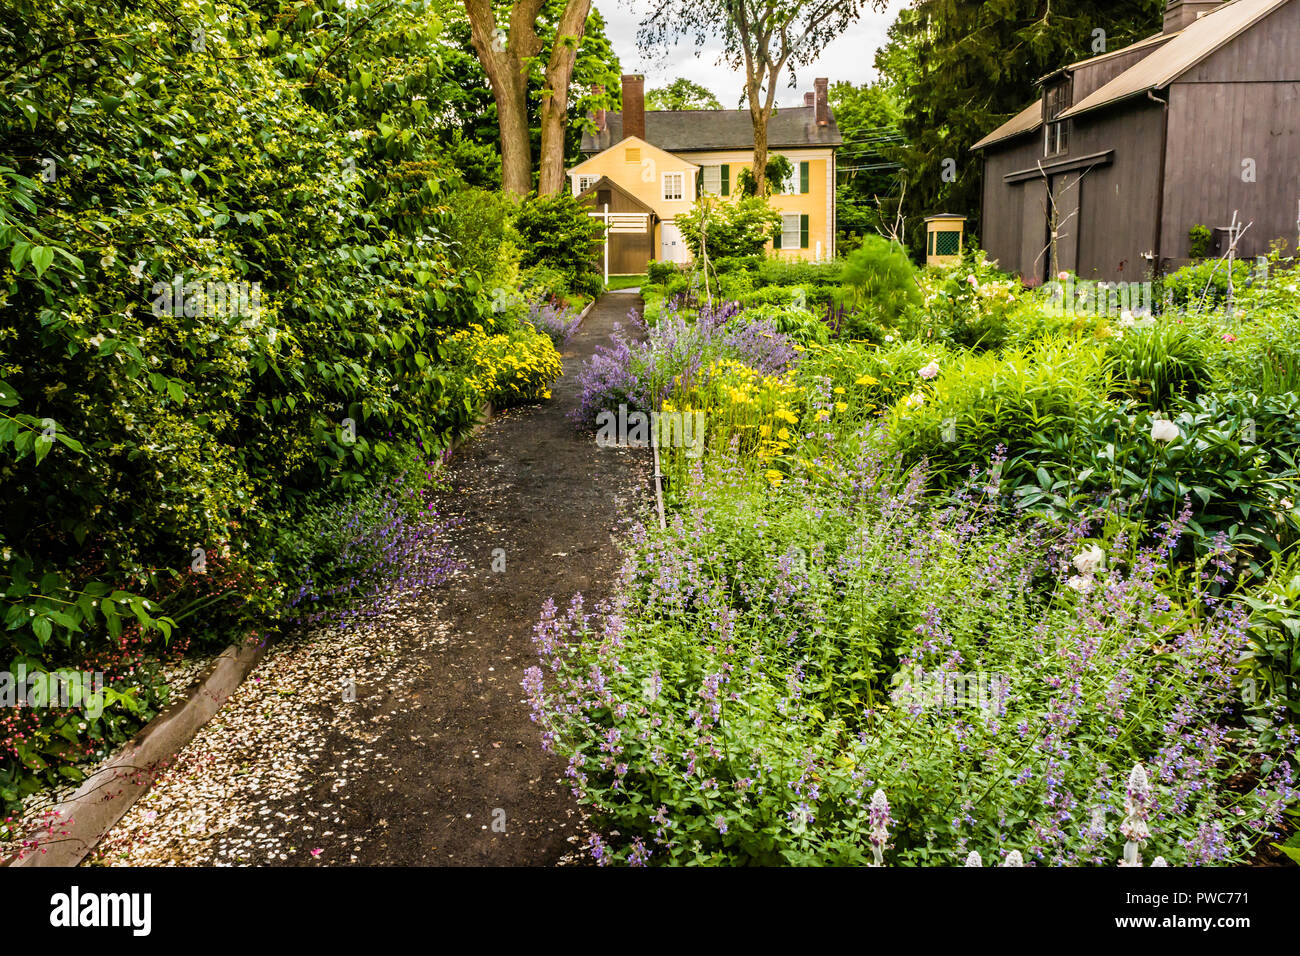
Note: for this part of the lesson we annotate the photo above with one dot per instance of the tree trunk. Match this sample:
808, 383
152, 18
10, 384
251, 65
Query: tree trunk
504, 60
555, 95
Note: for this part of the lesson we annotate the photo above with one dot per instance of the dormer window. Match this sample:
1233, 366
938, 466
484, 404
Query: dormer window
1056, 132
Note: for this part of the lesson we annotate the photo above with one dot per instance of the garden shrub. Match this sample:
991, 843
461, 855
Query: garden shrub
1153, 365
1232, 466
657, 273
740, 227
1204, 284
879, 281
979, 401
555, 231
158, 436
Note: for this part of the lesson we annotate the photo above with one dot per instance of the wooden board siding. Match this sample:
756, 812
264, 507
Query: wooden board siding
628, 252
1264, 53
1213, 127
1118, 201
1033, 236
1093, 75
1001, 221
1242, 102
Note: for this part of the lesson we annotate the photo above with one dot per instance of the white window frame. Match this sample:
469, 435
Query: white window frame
716, 188
786, 217
582, 182
680, 178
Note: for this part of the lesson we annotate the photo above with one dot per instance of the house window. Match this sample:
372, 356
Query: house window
794, 231
632, 154
674, 185
586, 182
715, 180
797, 182
1056, 133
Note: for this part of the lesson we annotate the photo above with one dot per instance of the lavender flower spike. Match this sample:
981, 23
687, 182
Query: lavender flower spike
880, 820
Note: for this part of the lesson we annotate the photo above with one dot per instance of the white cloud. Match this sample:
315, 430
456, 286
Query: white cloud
850, 57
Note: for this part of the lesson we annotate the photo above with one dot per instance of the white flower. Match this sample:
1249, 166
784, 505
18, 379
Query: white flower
1014, 859
930, 371
96, 340
1163, 430
974, 282
1080, 583
1086, 562
137, 270
973, 859
889, 338
1159, 861
108, 259
917, 399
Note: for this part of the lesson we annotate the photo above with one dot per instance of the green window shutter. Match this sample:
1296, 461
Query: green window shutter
930, 249
803, 178
803, 231
726, 179
776, 240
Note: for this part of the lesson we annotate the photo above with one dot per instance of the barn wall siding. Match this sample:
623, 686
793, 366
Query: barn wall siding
1002, 223
1118, 201
1265, 53
1213, 129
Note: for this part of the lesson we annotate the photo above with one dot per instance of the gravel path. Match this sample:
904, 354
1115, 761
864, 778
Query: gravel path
436, 761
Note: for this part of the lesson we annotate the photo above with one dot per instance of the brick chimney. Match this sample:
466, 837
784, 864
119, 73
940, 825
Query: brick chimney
819, 100
809, 98
633, 105
1180, 13
598, 115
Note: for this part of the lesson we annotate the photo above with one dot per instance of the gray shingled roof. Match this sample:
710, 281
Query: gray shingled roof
681, 131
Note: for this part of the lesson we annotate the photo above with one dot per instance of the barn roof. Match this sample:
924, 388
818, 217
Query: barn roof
681, 131
1026, 121
1189, 46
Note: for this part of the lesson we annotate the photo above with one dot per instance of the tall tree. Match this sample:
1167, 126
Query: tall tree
464, 107
765, 38
507, 55
960, 68
682, 94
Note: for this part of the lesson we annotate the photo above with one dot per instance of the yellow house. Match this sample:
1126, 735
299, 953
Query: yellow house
666, 159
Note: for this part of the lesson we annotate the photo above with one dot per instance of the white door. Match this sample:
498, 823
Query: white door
672, 248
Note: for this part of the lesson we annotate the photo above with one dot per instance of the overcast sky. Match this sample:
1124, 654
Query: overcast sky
848, 58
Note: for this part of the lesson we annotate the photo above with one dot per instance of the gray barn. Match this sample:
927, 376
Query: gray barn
1126, 151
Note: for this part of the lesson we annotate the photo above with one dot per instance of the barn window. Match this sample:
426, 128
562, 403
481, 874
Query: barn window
1056, 133
602, 197
674, 185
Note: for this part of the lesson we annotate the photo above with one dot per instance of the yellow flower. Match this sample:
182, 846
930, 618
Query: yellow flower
823, 416
867, 380
765, 430
784, 433
775, 477
841, 406
839, 391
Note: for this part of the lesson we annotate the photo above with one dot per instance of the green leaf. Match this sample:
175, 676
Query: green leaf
41, 256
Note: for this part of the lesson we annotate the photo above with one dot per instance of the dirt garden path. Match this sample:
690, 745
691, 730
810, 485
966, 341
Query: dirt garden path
438, 743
